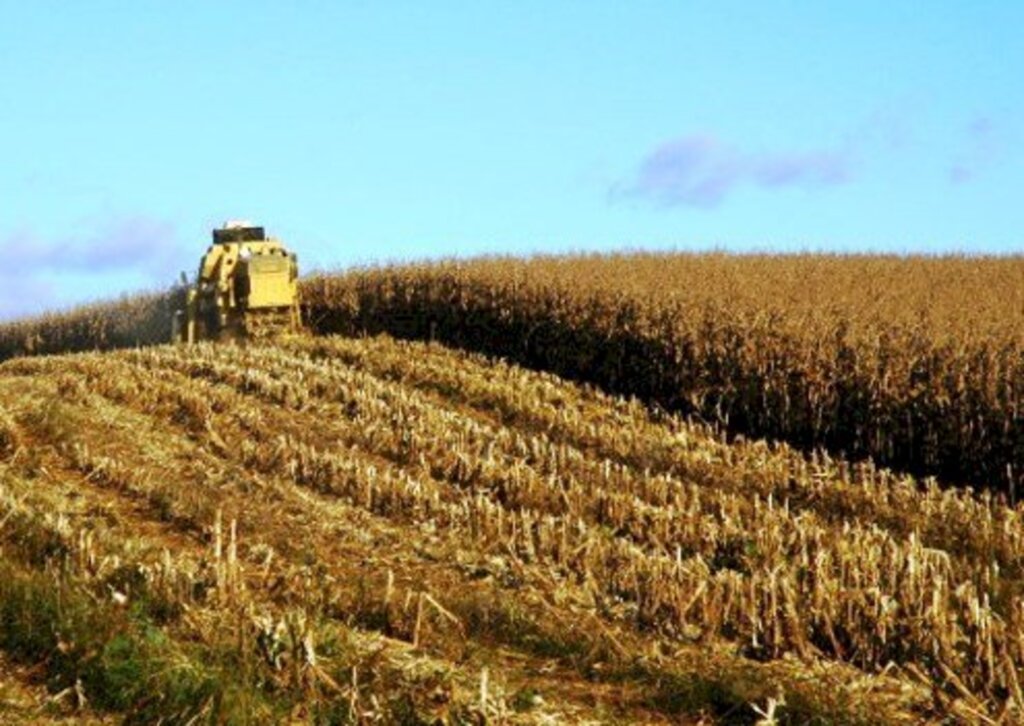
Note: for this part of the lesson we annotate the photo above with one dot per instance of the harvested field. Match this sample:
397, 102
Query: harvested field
340, 530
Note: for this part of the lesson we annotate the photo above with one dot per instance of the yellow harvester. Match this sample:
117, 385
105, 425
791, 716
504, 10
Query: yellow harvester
247, 287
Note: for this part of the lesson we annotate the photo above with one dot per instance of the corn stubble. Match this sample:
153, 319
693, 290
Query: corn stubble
235, 500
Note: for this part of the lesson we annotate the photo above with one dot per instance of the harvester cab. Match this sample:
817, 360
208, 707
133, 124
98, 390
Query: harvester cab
246, 287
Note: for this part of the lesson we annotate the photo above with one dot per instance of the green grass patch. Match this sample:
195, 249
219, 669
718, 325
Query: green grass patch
119, 658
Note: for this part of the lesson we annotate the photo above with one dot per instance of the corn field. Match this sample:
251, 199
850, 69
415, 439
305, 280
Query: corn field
338, 530
143, 319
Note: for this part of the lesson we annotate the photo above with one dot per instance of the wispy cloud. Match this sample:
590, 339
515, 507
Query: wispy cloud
700, 170
981, 150
39, 273
133, 243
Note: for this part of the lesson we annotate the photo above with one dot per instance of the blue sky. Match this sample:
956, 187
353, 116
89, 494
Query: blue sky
371, 131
